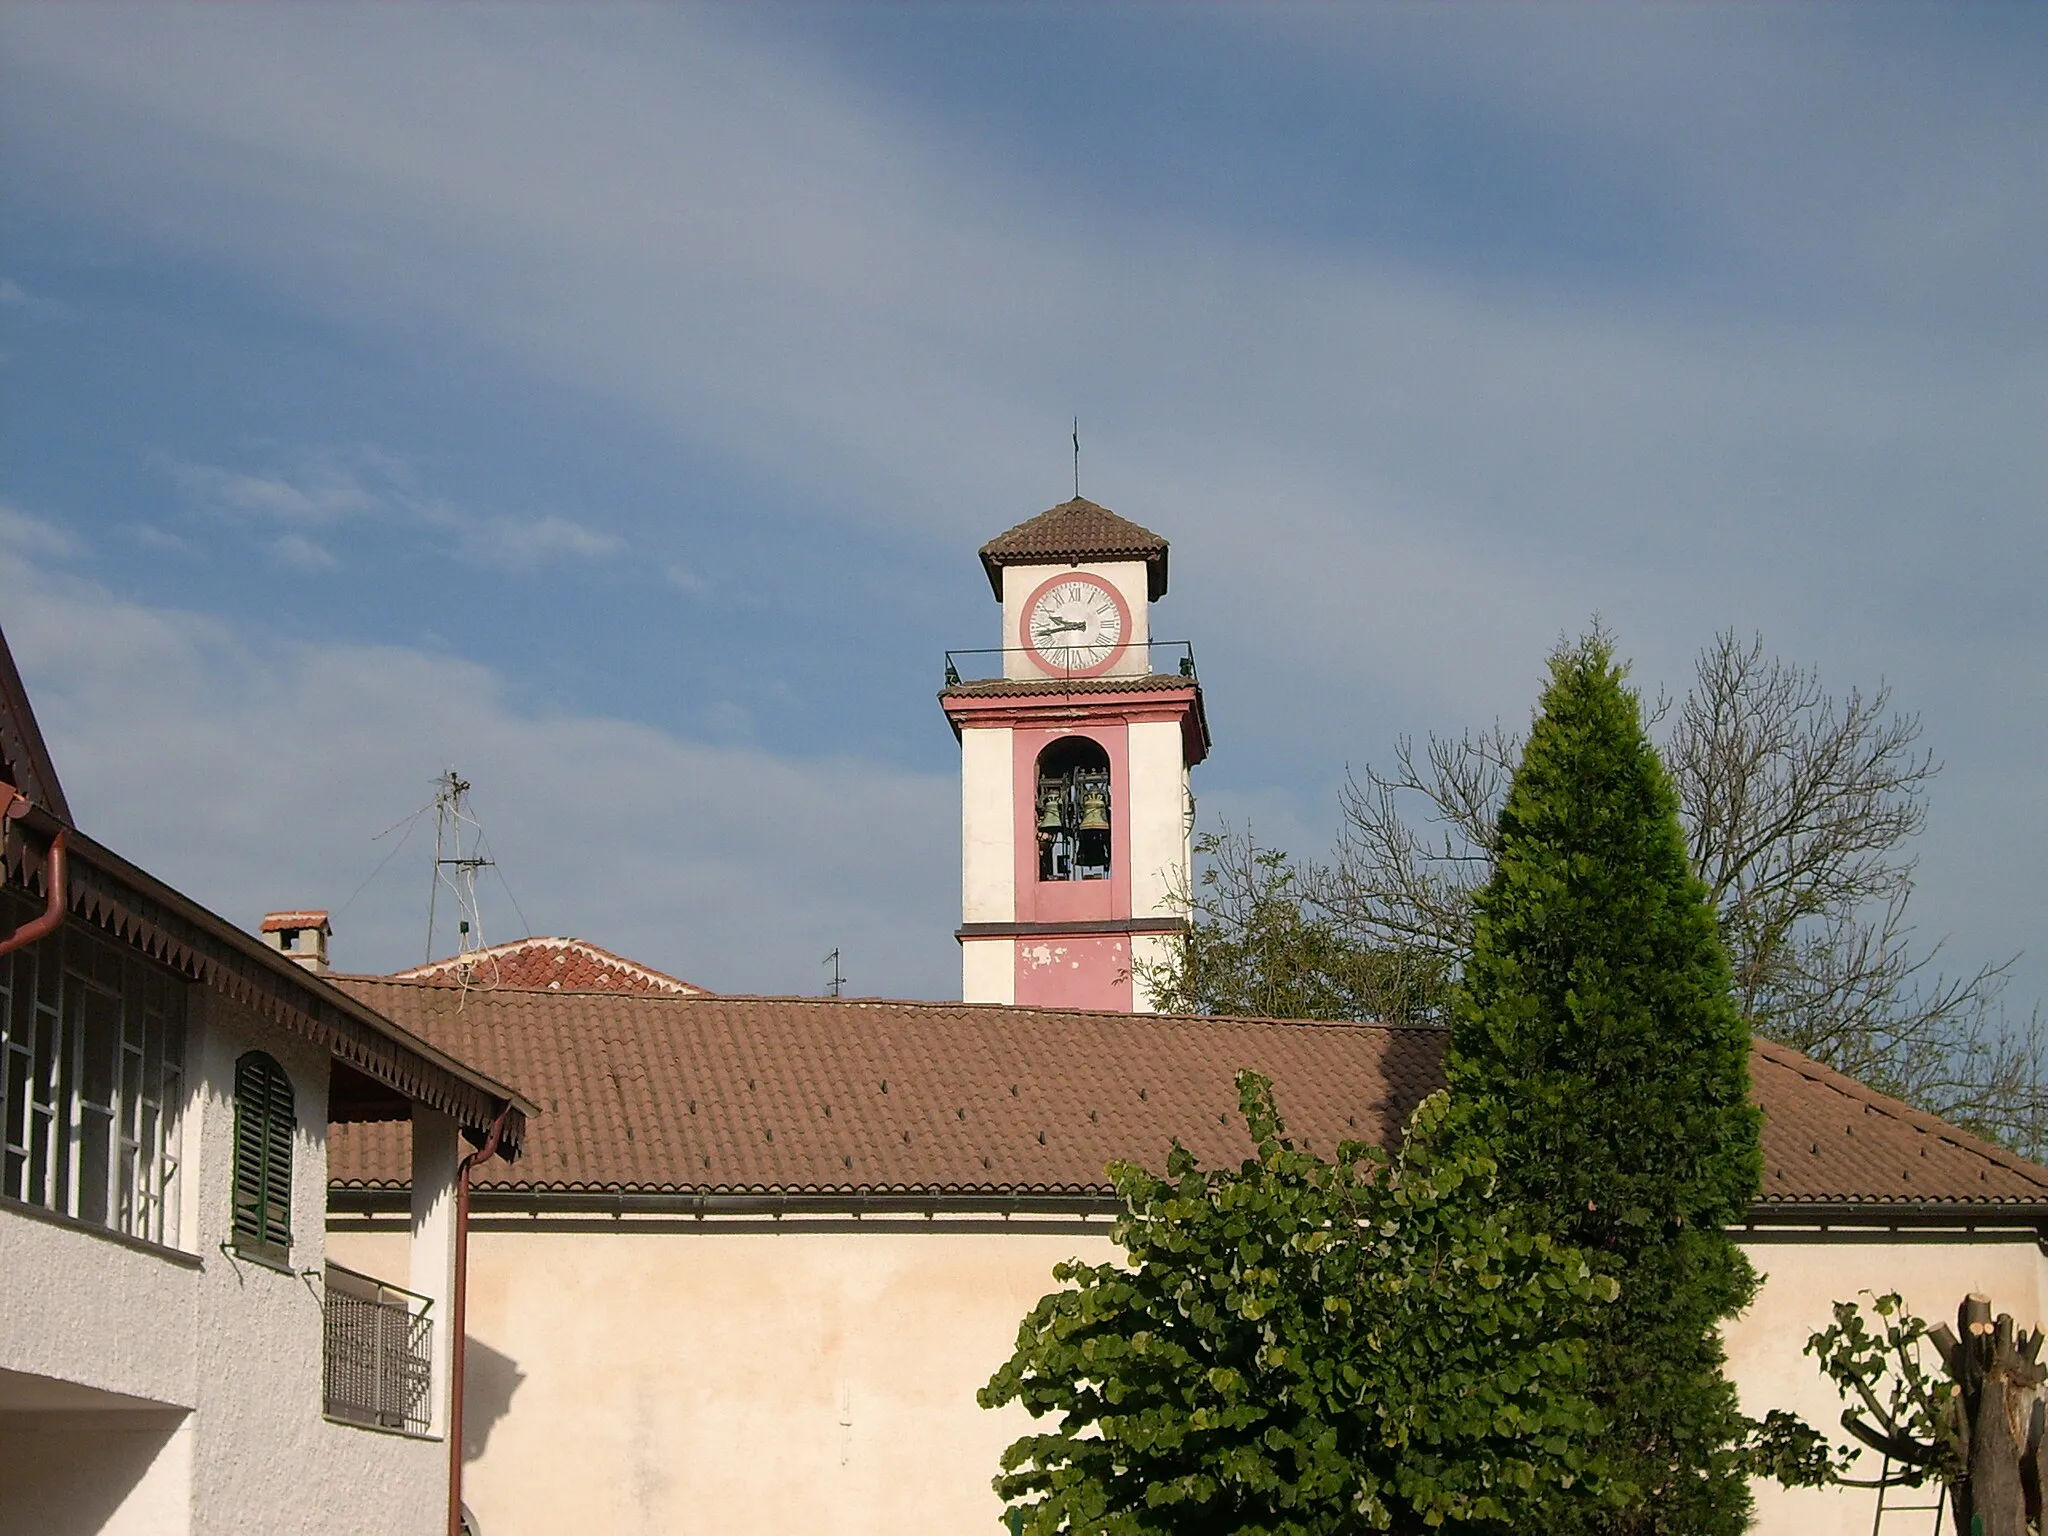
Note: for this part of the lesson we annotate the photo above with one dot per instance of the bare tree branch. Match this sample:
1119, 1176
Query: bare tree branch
1800, 808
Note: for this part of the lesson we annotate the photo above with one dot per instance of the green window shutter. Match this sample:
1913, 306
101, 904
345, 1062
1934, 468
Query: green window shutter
264, 1122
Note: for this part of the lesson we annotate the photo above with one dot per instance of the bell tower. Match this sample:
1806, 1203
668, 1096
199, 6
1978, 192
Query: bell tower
1074, 759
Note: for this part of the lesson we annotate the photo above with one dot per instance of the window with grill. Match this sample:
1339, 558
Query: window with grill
264, 1122
92, 1047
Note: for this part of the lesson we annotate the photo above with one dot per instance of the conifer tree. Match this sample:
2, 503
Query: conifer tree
1596, 1044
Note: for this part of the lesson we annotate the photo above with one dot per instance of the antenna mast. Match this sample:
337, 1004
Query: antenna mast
458, 839
837, 985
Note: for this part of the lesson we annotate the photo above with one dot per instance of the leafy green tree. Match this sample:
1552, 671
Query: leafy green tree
1300, 1347
1597, 1050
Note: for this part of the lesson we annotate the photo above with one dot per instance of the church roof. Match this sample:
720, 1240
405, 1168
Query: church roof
817, 1097
1074, 531
552, 964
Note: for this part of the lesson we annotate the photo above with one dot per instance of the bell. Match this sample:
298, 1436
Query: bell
1095, 811
1049, 819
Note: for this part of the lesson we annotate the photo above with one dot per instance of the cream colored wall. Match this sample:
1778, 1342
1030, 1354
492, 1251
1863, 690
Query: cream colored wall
1802, 1281
988, 827
1130, 579
1157, 810
737, 1379
733, 1377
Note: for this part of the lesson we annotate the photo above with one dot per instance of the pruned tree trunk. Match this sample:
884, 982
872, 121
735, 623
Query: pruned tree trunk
1997, 1373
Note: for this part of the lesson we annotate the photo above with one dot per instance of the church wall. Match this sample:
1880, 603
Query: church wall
753, 1377
1802, 1281
736, 1378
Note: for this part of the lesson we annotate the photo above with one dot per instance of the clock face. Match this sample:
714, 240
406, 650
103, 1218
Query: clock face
1075, 625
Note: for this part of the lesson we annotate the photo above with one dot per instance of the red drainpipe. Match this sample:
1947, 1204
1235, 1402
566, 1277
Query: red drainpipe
13, 806
459, 1320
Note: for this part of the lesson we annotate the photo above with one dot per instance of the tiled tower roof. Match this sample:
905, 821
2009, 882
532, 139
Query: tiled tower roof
1076, 530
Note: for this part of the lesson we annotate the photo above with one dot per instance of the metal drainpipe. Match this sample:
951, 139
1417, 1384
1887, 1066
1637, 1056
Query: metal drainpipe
459, 1321
13, 806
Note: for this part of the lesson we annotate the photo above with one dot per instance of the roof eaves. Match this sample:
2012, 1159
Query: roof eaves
313, 993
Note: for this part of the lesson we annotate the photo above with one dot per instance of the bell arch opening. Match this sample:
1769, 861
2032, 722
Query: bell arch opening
1073, 812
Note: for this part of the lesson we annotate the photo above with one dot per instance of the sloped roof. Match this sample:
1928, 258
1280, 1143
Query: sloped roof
550, 964
815, 1096
24, 759
1076, 530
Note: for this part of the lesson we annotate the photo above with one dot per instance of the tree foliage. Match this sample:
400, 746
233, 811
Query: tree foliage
1800, 807
1299, 1347
1595, 1043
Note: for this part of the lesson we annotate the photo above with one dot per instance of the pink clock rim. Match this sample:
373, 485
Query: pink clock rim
1044, 662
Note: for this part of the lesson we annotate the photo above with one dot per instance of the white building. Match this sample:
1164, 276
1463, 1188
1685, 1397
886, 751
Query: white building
762, 1252
178, 1352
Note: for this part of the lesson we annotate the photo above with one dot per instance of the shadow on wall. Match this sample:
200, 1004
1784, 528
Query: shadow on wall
488, 1381
74, 1473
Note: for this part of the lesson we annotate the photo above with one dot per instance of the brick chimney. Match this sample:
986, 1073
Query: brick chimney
300, 937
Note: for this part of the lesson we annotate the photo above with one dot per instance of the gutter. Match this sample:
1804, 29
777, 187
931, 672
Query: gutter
624, 1202
1880, 1217
1787, 1217
14, 805
458, 1354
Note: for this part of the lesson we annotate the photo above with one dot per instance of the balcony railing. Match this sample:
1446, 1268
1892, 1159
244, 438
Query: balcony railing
989, 662
380, 1353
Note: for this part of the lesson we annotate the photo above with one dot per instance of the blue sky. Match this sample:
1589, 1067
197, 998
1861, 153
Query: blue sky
609, 401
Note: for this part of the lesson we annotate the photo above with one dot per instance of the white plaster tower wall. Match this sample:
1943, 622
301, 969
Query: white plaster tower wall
1156, 808
988, 827
988, 863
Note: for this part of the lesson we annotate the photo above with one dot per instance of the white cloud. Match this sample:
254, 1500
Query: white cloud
332, 488
302, 554
324, 495
523, 543
254, 776
27, 536
685, 580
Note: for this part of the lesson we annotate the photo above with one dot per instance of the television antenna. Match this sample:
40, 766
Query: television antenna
458, 855
836, 986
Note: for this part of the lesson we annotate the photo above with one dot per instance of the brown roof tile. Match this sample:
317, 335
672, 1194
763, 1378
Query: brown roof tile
712, 1094
550, 964
1076, 530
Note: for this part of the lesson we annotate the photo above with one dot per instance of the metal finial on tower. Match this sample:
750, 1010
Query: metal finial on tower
1077, 458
